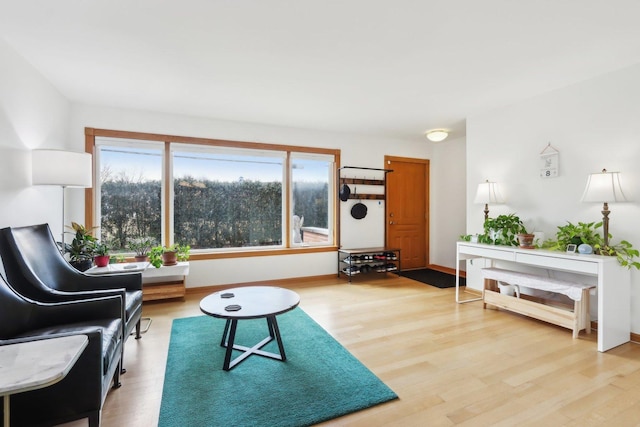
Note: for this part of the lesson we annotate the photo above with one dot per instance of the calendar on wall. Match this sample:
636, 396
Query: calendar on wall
549, 159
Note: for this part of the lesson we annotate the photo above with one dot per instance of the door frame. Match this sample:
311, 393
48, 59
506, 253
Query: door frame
427, 214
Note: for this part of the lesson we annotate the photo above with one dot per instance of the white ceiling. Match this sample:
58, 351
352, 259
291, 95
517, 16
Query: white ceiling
393, 68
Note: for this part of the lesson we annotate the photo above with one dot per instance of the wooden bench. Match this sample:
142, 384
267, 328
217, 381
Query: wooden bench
576, 319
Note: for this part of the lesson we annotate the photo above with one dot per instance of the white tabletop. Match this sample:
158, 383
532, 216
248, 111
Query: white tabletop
119, 268
37, 364
254, 301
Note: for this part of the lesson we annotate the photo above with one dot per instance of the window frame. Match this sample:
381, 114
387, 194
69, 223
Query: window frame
287, 248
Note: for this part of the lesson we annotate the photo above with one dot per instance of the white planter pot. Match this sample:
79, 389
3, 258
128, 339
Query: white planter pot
507, 289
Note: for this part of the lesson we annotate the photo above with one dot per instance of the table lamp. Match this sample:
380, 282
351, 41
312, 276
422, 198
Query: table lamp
604, 187
488, 192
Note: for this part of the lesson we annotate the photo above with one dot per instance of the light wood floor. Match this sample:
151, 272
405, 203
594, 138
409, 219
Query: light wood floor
449, 364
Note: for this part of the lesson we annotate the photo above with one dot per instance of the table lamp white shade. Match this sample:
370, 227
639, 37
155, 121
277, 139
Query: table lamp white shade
603, 187
62, 168
488, 192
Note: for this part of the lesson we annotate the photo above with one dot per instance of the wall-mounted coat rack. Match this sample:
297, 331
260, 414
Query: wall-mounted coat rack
362, 181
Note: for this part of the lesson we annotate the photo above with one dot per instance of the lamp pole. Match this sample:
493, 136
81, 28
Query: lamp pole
605, 223
62, 248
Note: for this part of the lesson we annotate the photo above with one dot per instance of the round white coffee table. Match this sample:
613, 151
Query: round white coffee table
250, 302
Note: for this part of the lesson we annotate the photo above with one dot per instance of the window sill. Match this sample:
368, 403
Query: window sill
262, 252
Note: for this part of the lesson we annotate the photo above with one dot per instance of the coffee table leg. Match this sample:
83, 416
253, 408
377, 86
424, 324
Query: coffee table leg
224, 334
274, 332
232, 337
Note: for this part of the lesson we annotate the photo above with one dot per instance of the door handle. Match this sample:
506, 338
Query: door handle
391, 222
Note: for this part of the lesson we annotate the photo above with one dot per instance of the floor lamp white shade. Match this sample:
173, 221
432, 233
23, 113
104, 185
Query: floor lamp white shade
63, 169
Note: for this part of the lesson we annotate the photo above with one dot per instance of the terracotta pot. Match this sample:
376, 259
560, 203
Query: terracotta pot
526, 241
142, 258
169, 258
101, 260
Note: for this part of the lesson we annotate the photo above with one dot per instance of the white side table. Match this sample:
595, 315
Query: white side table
119, 268
36, 364
157, 283
165, 282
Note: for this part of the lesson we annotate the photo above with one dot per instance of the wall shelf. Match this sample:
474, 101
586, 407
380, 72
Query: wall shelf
363, 181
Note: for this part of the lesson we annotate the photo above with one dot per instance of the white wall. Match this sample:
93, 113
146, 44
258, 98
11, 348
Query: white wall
448, 207
33, 114
594, 125
356, 150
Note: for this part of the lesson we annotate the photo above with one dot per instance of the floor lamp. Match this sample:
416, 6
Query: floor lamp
488, 192
61, 168
604, 187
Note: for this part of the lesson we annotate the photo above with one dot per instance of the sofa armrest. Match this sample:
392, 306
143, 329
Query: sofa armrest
63, 296
45, 314
128, 281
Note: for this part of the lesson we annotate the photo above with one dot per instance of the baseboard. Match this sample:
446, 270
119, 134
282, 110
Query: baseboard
447, 270
277, 282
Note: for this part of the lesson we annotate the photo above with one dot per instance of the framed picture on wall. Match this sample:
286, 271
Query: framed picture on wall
549, 158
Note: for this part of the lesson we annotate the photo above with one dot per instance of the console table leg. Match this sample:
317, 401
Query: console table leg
6, 410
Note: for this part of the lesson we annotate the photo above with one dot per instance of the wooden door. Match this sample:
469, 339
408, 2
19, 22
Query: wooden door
407, 209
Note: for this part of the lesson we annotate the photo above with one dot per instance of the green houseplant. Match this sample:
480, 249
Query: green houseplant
168, 255
587, 233
141, 246
101, 254
501, 230
82, 247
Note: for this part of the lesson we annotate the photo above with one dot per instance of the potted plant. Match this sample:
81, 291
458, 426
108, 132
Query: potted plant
168, 255
81, 248
502, 230
585, 233
141, 246
508, 230
525, 239
101, 254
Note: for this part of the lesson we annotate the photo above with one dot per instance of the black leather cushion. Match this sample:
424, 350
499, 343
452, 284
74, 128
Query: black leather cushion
110, 328
133, 303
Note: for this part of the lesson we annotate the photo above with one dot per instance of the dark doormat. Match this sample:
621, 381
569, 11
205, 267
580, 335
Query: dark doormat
433, 278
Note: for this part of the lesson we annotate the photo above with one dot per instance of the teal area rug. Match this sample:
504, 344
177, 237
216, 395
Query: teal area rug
319, 381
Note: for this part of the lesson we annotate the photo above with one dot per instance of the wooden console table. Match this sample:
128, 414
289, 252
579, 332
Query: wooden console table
613, 282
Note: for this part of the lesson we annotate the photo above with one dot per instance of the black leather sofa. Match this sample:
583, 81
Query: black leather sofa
37, 270
82, 392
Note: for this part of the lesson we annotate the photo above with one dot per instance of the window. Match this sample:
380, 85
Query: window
311, 181
129, 192
216, 196
226, 198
